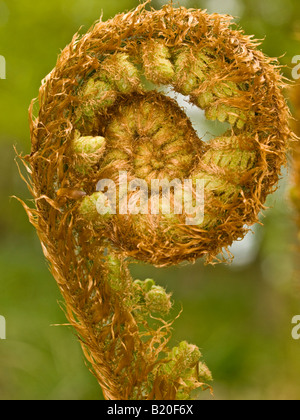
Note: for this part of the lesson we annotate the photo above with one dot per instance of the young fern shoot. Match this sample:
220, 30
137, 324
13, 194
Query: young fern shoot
98, 121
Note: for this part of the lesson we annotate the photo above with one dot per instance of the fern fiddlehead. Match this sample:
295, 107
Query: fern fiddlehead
99, 120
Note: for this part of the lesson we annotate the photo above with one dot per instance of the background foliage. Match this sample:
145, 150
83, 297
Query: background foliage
239, 314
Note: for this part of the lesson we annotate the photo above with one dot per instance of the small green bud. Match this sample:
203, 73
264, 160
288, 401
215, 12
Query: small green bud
138, 283
104, 94
188, 71
88, 207
182, 369
185, 360
145, 285
96, 207
88, 150
88, 144
189, 353
151, 298
182, 359
158, 301
182, 396
97, 89
89, 88
148, 284
204, 373
96, 95
129, 77
157, 66
118, 69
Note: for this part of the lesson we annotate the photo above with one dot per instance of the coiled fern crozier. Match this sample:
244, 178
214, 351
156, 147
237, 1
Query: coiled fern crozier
100, 116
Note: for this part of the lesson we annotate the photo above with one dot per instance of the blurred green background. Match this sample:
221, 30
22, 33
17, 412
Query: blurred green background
239, 314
